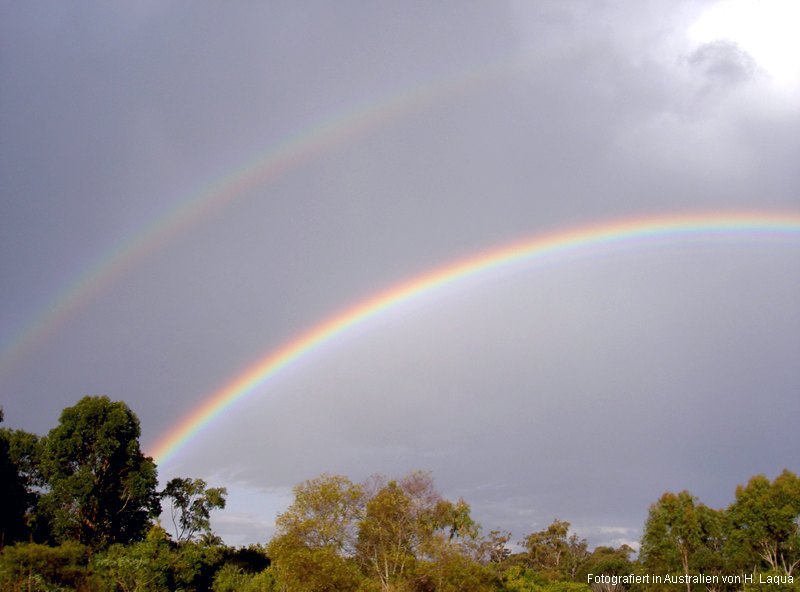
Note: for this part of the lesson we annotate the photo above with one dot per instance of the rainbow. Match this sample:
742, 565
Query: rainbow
289, 154
636, 231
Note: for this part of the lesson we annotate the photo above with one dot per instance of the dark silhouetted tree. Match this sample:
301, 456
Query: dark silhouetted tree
14, 496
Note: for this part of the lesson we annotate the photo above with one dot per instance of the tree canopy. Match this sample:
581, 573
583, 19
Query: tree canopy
14, 495
191, 503
763, 522
80, 511
102, 489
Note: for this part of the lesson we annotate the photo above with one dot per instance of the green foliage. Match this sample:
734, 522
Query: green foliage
760, 531
763, 523
680, 535
25, 452
560, 587
772, 581
409, 533
232, 578
252, 559
555, 554
195, 564
102, 489
517, 578
19, 479
191, 504
14, 497
399, 535
90, 482
389, 534
316, 536
324, 514
493, 548
34, 567
145, 566
608, 561
158, 564
302, 569
453, 571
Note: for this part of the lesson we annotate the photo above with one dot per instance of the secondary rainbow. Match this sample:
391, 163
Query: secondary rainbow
295, 150
637, 231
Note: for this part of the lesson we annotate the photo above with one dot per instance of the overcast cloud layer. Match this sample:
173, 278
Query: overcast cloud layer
581, 388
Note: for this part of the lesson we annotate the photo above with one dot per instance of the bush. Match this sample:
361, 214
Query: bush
39, 568
232, 578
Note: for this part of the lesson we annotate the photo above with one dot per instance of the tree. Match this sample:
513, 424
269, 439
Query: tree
144, 566
191, 504
34, 567
195, 564
399, 535
763, 523
494, 547
232, 578
14, 496
24, 482
325, 513
101, 488
316, 536
680, 535
408, 530
387, 540
577, 556
611, 562
555, 554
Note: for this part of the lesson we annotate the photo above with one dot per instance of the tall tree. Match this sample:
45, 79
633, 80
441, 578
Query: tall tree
679, 535
763, 523
611, 562
387, 535
409, 528
191, 503
14, 495
316, 536
494, 547
556, 554
101, 488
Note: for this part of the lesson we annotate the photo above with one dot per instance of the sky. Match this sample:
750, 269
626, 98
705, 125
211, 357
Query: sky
187, 188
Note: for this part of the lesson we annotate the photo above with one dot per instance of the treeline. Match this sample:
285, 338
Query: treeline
80, 508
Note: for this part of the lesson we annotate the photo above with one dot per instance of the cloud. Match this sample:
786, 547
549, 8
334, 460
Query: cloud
723, 63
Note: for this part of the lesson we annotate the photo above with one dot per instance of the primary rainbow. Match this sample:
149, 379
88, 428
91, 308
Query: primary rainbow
632, 230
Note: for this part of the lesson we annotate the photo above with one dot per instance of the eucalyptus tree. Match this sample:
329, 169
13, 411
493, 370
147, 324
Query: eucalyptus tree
410, 532
100, 487
191, 502
681, 536
316, 536
764, 523
554, 553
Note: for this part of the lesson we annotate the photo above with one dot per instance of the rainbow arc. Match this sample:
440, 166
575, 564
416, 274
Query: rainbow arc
634, 232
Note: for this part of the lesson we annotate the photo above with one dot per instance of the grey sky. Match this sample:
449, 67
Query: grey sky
581, 389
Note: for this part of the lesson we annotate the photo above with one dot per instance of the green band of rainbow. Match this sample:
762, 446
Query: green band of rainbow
634, 231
